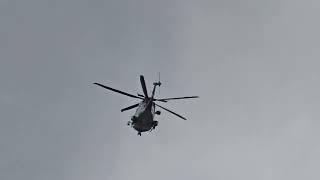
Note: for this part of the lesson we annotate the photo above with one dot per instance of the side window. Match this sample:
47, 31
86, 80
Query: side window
140, 108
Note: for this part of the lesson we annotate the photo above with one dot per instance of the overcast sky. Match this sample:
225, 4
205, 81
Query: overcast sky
254, 64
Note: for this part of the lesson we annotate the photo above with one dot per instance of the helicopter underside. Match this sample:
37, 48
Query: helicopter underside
143, 122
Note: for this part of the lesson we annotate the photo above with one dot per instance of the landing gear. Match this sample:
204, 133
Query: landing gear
154, 125
132, 122
139, 134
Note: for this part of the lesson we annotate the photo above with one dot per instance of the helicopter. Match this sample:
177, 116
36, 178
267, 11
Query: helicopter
143, 119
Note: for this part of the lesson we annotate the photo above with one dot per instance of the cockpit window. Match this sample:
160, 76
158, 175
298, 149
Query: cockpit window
140, 108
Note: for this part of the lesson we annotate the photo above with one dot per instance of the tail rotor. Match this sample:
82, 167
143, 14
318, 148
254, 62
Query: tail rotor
158, 83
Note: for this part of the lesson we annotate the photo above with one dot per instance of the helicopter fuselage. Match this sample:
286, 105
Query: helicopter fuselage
142, 120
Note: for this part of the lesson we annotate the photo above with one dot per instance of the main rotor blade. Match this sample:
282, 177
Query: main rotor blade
171, 112
167, 99
115, 90
144, 88
130, 107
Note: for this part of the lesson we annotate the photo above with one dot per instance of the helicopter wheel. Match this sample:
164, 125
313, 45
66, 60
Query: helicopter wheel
155, 124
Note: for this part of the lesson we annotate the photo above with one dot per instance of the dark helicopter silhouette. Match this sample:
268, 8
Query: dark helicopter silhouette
143, 119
